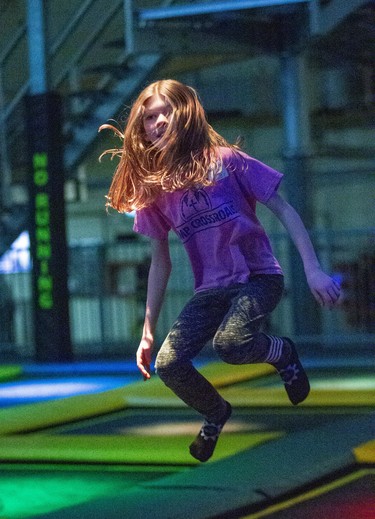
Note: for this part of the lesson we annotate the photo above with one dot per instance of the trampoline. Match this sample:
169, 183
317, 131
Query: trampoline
117, 447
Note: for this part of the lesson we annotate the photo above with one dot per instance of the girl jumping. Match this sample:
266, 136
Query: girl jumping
179, 174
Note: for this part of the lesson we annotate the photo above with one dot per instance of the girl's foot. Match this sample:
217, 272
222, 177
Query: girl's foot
204, 444
294, 376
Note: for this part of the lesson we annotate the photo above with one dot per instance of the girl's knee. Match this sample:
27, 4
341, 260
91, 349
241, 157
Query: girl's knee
168, 366
172, 371
225, 346
233, 349
163, 364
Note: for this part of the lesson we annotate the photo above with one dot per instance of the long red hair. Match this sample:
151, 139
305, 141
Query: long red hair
189, 158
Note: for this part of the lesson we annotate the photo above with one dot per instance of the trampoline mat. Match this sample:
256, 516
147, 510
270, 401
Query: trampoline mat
30, 490
350, 497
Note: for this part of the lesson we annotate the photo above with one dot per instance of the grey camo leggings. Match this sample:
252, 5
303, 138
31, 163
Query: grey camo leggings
231, 317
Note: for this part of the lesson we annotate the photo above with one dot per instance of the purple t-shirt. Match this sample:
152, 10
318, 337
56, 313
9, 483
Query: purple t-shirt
217, 224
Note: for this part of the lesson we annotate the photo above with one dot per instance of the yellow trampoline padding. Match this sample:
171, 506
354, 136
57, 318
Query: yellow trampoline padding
222, 374
31, 417
10, 372
218, 373
365, 453
155, 394
258, 397
249, 397
127, 449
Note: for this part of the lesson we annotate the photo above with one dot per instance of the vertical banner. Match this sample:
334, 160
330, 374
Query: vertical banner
47, 228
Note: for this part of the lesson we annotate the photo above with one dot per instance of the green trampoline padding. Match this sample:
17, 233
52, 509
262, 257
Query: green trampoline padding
29, 490
10, 372
150, 450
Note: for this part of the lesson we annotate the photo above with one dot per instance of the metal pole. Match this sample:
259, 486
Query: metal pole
297, 147
37, 47
296, 128
129, 26
314, 12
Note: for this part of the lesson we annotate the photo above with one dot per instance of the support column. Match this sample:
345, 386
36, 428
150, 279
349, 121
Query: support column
47, 207
296, 152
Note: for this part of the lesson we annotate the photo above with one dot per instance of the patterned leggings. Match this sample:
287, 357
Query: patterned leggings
231, 317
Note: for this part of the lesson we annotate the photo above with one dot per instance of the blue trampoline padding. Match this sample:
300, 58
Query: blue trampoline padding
102, 367
39, 390
78, 368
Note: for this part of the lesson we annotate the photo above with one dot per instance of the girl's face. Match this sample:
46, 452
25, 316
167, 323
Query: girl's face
156, 119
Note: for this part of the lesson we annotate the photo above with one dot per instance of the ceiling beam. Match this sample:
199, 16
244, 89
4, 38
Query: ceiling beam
196, 9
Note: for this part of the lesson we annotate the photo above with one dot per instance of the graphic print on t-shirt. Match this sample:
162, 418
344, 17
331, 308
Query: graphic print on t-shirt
194, 202
198, 213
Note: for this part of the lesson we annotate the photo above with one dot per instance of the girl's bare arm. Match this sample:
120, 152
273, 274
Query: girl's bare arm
159, 273
325, 289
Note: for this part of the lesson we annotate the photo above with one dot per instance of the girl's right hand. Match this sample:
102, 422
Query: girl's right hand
144, 354
325, 289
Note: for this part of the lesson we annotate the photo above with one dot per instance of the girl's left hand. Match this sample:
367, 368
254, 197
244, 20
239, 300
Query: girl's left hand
325, 289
